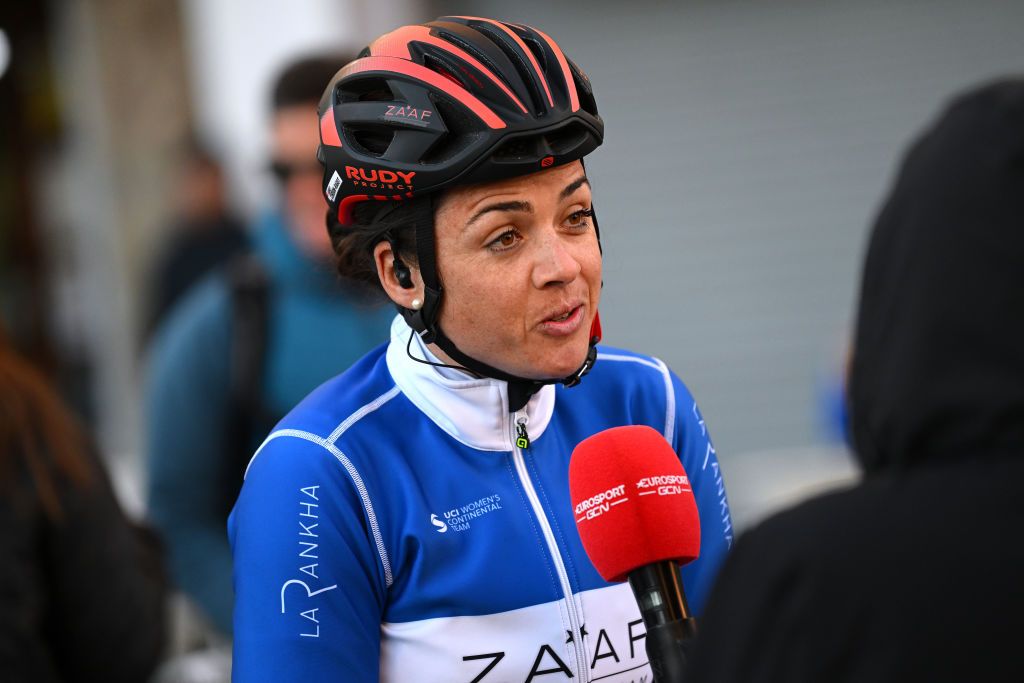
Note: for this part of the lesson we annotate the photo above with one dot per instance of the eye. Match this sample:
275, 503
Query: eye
579, 219
505, 240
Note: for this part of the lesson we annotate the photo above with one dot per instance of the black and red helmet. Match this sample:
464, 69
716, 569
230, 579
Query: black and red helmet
458, 100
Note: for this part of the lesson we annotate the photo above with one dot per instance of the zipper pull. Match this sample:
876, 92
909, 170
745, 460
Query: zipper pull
522, 438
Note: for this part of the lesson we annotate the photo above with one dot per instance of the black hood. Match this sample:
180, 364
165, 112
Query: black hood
938, 366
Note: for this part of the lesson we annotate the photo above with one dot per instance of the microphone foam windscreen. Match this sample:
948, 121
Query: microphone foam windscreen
632, 501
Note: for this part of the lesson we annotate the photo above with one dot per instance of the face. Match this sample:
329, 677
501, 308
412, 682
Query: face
521, 271
201, 193
295, 136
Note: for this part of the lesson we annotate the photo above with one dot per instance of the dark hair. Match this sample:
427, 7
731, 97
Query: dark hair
303, 81
37, 430
374, 222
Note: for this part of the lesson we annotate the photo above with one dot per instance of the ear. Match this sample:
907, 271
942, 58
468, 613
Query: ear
384, 259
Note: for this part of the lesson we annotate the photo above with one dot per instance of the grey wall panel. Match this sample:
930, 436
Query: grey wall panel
748, 148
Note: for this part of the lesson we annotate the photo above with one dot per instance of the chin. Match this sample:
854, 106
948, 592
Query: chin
561, 364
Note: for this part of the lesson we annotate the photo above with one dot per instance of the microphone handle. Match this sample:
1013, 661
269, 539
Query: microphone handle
658, 589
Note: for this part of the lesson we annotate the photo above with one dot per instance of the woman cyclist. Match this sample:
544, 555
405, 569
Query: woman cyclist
410, 520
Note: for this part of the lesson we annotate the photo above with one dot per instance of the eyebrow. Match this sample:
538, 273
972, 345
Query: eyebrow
573, 186
526, 207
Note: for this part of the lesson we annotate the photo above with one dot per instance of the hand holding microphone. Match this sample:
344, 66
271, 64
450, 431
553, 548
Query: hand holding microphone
637, 518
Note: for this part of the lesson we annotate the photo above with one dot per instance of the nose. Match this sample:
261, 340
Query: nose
556, 264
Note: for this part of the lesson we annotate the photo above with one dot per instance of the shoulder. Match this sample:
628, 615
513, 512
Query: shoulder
626, 360
625, 387
626, 368
635, 374
201, 310
195, 333
814, 534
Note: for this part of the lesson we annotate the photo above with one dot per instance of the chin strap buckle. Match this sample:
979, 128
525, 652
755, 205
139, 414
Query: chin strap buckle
575, 378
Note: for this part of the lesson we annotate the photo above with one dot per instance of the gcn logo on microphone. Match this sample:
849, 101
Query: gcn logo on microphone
664, 485
598, 504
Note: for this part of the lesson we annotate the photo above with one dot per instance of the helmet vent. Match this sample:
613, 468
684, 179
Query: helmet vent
517, 149
564, 140
518, 60
476, 52
435, 63
537, 50
532, 147
463, 131
371, 140
365, 90
583, 89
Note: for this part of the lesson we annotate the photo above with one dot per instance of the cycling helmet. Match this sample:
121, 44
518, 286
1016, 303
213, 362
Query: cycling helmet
455, 101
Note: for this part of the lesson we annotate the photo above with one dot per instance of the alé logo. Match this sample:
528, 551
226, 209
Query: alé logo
459, 518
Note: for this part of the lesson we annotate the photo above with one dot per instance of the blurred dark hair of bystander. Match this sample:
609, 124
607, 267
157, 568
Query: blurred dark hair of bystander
83, 586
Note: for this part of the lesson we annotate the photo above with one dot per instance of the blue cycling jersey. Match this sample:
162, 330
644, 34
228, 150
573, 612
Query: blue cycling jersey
391, 528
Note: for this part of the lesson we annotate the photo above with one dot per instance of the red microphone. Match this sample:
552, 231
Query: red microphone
637, 518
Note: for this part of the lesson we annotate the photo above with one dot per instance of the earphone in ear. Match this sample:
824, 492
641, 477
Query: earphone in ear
402, 273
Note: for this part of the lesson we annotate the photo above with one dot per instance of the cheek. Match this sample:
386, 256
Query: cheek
591, 265
473, 293
482, 304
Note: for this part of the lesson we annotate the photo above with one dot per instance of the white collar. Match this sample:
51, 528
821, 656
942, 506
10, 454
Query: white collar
472, 410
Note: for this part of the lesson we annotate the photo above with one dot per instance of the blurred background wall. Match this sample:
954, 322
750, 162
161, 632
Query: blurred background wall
748, 146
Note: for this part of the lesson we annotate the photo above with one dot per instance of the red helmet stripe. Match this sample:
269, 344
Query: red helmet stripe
574, 99
431, 78
522, 46
393, 44
396, 44
328, 130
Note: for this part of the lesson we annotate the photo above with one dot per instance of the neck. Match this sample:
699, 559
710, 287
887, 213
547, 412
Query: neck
441, 355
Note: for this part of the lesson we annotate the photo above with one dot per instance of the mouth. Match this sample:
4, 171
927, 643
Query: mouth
563, 321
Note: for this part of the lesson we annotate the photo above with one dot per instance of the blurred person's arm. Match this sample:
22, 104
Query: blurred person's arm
188, 426
108, 587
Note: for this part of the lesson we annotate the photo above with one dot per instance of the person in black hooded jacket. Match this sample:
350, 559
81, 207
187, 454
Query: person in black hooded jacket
917, 573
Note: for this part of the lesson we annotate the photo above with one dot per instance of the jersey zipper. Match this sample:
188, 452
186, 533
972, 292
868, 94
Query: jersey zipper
521, 440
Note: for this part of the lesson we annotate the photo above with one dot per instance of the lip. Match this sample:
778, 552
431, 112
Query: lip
563, 328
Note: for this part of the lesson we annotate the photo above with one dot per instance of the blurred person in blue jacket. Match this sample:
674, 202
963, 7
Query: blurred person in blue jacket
245, 346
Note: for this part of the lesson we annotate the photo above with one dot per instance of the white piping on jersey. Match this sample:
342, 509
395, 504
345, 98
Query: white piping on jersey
328, 444
556, 555
670, 391
361, 413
